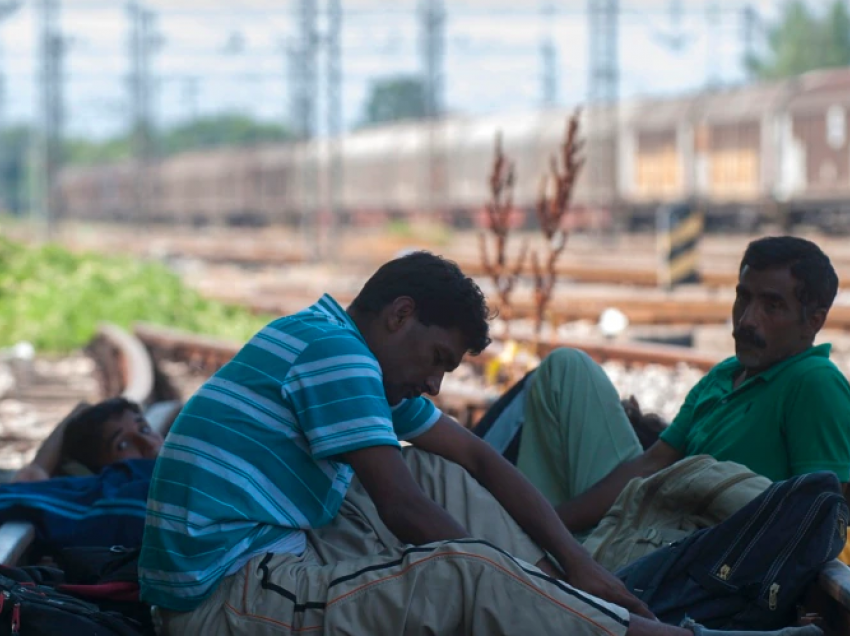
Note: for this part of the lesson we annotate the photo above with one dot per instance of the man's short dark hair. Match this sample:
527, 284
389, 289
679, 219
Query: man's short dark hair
82, 440
443, 294
818, 282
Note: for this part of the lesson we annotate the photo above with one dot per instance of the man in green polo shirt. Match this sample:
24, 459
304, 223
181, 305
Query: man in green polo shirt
779, 406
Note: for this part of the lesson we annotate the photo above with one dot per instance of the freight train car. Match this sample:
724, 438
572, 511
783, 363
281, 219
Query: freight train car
816, 153
770, 152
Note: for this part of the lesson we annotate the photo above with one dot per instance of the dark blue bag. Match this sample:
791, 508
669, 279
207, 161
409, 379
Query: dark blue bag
35, 609
749, 572
95, 593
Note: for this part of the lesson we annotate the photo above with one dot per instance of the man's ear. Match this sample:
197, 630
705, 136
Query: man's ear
815, 320
401, 310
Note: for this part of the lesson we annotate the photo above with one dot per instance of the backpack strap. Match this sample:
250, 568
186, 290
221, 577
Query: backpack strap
502, 423
118, 591
34, 574
95, 565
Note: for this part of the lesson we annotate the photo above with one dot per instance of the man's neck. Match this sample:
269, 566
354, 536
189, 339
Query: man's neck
746, 373
360, 321
743, 375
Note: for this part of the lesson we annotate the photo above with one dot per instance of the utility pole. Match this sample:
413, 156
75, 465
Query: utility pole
676, 39
749, 31
432, 19
334, 121
602, 114
303, 67
712, 45
549, 58
142, 42
49, 154
6, 198
191, 89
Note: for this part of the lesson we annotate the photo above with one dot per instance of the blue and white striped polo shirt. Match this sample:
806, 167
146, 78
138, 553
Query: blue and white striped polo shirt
249, 464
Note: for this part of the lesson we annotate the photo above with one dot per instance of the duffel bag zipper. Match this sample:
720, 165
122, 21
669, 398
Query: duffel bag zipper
774, 588
729, 562
772, 599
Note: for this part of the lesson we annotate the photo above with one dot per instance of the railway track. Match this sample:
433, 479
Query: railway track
635, 276
208, 354
631, 261
567, 305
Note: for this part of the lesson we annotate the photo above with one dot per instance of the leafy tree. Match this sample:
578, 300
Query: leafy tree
220, 130
208, 132
802, 41
86, 151
395, 98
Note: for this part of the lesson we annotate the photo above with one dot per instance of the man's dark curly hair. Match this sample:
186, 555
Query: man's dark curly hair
443, 294
810, 267
82, 440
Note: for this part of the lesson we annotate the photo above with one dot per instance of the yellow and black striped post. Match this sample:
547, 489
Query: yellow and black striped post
680, 228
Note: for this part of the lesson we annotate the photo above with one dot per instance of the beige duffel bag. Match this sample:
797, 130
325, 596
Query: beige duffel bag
696, 492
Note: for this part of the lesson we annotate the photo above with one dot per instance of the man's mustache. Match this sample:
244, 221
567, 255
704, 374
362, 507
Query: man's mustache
748, 336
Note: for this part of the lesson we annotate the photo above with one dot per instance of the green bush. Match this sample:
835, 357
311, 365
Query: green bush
55, 299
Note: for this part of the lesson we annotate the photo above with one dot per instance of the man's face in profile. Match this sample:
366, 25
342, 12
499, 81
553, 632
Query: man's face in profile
768, 319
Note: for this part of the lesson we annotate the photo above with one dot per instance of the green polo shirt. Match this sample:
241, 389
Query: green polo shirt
792, 419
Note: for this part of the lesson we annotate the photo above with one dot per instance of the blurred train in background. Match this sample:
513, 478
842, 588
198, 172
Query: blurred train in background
775, 152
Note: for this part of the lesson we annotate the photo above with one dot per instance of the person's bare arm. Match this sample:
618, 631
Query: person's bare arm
407, 512
528, 507
586, 510
49, 454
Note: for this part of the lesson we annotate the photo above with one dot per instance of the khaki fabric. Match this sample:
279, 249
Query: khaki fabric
358, 530
356, 578
696, 492
575, 431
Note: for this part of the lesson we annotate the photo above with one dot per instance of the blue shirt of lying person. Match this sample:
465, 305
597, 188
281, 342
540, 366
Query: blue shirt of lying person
103, 510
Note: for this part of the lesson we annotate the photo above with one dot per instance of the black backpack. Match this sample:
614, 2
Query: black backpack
96, 596
750, 571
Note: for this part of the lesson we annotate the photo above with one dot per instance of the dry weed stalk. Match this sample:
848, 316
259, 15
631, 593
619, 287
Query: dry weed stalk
499, 208
553, 203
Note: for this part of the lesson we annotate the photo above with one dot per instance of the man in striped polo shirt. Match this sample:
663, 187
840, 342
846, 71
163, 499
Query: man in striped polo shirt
252, 527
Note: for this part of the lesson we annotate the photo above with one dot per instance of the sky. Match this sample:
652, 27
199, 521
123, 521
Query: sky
492, 61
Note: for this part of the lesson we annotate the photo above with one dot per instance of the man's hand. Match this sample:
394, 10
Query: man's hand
31, 472
529, 509
588, 576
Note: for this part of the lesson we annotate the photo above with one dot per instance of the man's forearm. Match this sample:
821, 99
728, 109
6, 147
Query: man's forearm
586, 510
49, 454
405, 510
421, 521
529, 508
